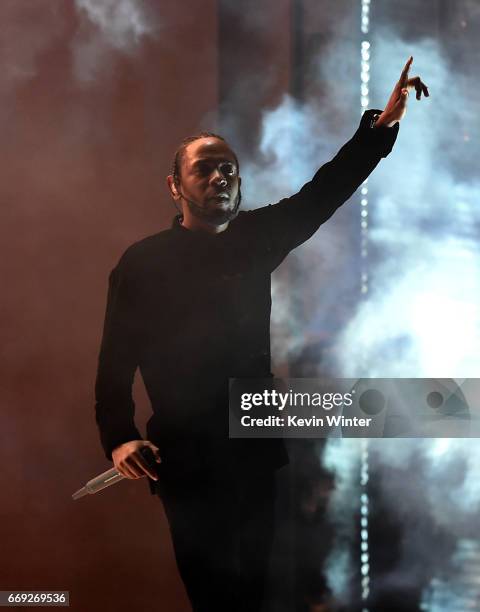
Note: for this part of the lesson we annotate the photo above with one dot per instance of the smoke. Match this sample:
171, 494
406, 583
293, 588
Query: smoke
118, 25
105, 27
452, 462
428, 487
32, 29
343, 461
424, 279
293, 138
122, 22
420, 317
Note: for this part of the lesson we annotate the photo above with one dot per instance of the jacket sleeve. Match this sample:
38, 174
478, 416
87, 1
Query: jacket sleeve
294, 220
117, 363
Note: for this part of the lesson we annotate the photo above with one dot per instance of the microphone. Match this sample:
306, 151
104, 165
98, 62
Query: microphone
111, 476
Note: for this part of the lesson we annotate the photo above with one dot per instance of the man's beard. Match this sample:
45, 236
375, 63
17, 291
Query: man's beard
214, 216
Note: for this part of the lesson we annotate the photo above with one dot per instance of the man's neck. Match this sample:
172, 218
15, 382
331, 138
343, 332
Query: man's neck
198, 225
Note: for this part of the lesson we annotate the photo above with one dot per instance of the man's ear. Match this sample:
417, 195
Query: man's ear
173, 188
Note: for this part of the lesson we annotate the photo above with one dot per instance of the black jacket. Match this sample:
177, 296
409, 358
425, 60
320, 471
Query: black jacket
192, 309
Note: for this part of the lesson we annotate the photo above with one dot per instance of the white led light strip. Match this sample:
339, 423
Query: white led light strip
364, 102
364, 286
364, 552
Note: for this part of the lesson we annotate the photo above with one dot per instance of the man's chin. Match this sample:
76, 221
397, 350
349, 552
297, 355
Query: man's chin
214, 216
219, 217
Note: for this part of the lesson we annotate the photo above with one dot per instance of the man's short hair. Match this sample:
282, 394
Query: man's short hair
180, 152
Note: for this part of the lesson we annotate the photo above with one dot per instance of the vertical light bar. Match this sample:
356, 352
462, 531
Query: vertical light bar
364, 102
364, 287
364, 550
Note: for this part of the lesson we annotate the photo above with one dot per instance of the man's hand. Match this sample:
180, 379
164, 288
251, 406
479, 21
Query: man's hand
128, 460
397, 104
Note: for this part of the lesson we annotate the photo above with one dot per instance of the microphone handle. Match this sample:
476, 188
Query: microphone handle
111, 476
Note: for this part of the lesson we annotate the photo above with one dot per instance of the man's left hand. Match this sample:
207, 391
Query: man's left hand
397, 104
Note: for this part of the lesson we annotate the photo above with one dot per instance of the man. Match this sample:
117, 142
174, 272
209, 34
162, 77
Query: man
190, 307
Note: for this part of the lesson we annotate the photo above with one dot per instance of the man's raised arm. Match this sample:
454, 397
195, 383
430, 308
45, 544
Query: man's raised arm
293, 220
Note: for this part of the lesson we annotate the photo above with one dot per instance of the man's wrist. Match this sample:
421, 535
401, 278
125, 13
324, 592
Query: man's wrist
382, 121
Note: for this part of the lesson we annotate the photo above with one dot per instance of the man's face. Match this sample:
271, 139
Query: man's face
209, 181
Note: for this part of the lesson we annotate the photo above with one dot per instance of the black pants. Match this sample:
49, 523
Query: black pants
222, 528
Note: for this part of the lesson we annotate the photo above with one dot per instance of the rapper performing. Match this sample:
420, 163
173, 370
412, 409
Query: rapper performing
241, 305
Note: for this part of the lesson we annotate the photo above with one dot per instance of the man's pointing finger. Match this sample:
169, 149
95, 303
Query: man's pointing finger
404, 74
